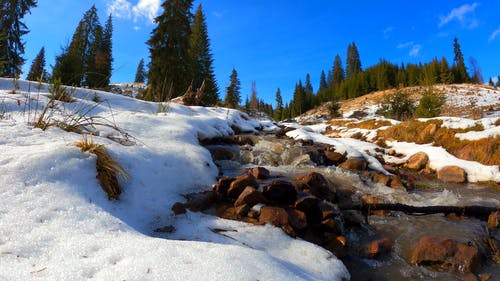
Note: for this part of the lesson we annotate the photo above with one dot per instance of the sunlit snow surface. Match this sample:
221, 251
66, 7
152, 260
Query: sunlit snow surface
56, 223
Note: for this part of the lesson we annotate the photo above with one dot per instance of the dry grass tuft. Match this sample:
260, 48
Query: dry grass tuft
108, 169
370, 124
485, 151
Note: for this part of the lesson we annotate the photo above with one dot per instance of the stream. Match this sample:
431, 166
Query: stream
286, 158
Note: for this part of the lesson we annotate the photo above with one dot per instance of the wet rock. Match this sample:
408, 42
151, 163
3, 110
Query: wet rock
242, 210
318, 186
493, 219
333, 157
201, 201
246, 139
309, 205
280, 191
260, 173
353, 218
417, 161
165, 229
297, 219
336, 245
329, 225
249, 196
240, 183
178, 208
452, 174
378, 247
355, 163
470, 277
397, 183
381, 178
440, 253
273, 215
222, 186
368, 199
220, 153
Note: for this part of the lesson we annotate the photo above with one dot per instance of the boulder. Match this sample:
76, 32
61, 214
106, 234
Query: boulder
222, 186
417, 161
250, 196
240, 183
329, 225
318, 186
297, 219
333, 157
221, 154
378, 247
452, 174
260, 173
442, 253
337, 245
381, 178
355, 163
280, 191
309, 205
201, 201
242, 210
179, 208
493, 219
397, 183
273, 215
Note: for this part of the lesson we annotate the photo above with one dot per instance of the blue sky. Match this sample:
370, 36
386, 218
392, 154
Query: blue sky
277, 42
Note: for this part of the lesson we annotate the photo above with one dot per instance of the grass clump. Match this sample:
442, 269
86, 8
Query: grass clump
108, 169
58, 92
370, 124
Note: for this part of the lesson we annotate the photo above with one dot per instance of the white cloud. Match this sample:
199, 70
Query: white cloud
460, 14
415, 50
494, 35
388, 31
144, 9
218, 14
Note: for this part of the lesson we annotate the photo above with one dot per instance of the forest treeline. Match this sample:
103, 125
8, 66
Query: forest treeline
180, 58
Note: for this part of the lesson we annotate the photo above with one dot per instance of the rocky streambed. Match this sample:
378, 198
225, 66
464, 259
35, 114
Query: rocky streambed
403, 225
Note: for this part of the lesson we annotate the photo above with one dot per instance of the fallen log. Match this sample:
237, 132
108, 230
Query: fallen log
480, 212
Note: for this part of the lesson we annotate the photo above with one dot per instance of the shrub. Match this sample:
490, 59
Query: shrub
397, 106
430, 105
334, 109
59, 92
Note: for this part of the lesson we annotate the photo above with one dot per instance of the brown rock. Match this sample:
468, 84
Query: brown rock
445, 254
260, 173
297, 219
355, 163
452, 174
378, 247
493, 219
242, 210
318, 186
240, 183
301, 186
381, 178
417, 161
201, 201
178, 208
368, 199
250, 196
391, 152
397, 183
273, 215
329, 225
309, 205
222, 186
221, 154
337, 245
281, 192
334, 158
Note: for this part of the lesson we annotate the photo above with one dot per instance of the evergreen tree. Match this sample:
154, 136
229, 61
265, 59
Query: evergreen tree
445, 74
78, 59
498, 81
401, 78
322, 82
459, 70
254, 102
140, 74
491, 83
11, 45
105, 58
308, 93
297, 106
170, 68
94, 61
233, 98
353, 62
279, 105
202, 59
37, 70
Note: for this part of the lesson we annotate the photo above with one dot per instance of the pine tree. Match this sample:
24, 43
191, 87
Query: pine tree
459, 70
279, 105
445, 75
254, 102
11, 45
297, 106
78, 59
201, 58
140, 74
170, 67
233, 98
37, 70
498, 81
353, 62
337, 75
322, 82
105, 65
491, 83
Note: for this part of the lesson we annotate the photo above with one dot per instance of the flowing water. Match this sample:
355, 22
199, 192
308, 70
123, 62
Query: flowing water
284, 158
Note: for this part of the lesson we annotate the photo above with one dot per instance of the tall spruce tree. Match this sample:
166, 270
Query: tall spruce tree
105, 58
459, 70
11, 45
322, 82
77, 60
37, 70
445, 75
140, 73
254, 101
170, 67
353, 62
338, 75
201, 59
233, 97
279, 105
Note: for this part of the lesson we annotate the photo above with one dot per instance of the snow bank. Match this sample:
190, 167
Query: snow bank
56, 223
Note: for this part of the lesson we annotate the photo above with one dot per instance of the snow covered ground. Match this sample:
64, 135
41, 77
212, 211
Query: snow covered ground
57, 224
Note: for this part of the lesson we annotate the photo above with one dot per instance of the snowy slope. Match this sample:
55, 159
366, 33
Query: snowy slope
56, 223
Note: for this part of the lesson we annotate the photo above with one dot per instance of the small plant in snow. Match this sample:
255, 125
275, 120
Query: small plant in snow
96, 98
430, 105
397, 106
59, 92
